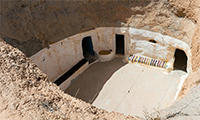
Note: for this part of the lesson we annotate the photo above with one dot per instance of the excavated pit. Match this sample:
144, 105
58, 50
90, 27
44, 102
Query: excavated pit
88, 58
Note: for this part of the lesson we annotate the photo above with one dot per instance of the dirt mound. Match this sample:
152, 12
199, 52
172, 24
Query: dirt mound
26, 93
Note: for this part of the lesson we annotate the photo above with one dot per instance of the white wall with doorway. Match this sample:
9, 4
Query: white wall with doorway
163, 49
63, 55
107, 41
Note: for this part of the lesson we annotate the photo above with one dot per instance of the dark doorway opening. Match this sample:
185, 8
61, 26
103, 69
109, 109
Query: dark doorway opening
88, 51
180, 60
119, 44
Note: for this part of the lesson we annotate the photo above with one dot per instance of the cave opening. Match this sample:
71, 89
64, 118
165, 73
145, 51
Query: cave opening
180, 62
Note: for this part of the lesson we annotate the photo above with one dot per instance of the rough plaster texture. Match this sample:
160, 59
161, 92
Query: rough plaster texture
108, 57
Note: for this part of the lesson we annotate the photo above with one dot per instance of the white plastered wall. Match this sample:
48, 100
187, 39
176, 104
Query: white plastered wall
164, 49
107, 40
63, 55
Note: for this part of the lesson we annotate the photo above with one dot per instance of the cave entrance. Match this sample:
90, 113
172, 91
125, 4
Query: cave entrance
119, 44
180, 60
87, 47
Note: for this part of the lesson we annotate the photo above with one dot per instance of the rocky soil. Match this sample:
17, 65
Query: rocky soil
27, 94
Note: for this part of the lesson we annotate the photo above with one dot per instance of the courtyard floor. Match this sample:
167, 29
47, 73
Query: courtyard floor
127, 88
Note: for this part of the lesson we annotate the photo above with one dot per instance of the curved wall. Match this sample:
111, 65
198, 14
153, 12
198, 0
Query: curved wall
63, 55
164, 49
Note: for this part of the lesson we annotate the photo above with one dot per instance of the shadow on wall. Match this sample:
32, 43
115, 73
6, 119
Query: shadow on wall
29, 47
88, 85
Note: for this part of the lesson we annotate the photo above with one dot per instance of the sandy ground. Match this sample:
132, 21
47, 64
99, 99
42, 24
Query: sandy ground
125, 88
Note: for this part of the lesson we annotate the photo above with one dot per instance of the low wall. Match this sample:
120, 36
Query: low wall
68, 81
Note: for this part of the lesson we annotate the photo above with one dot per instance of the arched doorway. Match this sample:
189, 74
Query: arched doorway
180, 62
88, 51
